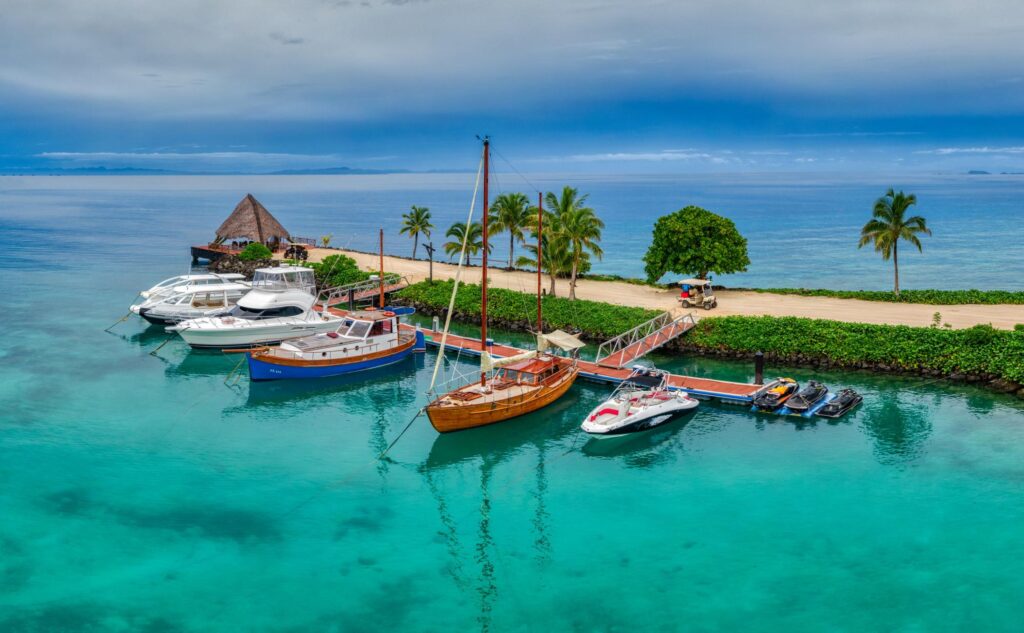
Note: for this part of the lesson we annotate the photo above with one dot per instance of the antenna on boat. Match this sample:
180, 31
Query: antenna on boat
483, 285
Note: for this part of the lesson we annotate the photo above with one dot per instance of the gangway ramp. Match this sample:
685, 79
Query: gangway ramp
625, 348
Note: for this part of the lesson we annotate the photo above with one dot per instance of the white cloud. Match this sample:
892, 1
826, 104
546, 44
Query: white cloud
948, 151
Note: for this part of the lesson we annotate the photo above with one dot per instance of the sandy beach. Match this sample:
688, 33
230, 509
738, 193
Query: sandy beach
730, 301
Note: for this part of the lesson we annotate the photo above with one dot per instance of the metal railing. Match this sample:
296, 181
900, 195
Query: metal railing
353, 290
634, 343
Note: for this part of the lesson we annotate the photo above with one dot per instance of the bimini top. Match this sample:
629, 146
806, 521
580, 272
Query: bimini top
284, 278
562, 340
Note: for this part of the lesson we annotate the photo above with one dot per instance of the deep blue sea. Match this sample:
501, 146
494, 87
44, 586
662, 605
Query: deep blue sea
802, 228
139, 492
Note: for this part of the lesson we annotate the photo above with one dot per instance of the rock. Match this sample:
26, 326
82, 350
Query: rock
231, 264
1004, 386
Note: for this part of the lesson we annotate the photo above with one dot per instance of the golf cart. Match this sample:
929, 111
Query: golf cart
697, 293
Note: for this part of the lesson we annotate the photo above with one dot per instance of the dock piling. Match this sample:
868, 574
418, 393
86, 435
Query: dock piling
759, 368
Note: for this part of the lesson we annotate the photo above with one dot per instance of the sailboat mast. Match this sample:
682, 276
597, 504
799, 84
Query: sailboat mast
483, 285
540, 234
381, 269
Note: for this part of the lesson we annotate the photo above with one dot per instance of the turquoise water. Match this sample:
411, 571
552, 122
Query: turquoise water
139, 493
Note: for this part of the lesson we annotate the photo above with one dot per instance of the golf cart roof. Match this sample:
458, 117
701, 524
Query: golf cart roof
693, 282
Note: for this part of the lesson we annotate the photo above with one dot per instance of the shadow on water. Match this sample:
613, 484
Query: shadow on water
369, 385
545, 433
898, 428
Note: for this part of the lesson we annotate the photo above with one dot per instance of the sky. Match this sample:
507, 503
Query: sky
560, 85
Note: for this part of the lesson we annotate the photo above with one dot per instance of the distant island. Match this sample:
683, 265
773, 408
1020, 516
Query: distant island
978, 172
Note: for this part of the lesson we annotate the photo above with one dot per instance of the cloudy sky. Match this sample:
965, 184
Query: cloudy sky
589, 85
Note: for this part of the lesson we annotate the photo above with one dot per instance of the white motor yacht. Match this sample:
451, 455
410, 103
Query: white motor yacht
192, 302
169, 286
641, 402
279, 307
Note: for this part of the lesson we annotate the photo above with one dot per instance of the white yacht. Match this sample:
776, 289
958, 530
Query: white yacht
192, 302
168, 286
280, 306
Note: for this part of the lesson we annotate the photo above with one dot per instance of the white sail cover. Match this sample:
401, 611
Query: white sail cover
562, 340
488, 362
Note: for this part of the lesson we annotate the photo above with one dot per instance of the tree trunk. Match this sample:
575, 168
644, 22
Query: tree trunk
415, 243
896, 266
552, 290
511, 250
572, 282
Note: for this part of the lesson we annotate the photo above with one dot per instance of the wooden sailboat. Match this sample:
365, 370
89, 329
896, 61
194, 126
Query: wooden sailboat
514, 386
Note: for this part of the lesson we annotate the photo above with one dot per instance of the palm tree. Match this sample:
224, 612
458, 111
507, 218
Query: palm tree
888, 226
555, 260
414, 223
457, 232
510, 213
579, 229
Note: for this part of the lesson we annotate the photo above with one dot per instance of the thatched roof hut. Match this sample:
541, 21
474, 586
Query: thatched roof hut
252, 221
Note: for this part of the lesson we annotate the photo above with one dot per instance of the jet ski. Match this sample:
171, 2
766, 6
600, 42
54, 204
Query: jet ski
641, 402
776, 394
807, 397
840, 405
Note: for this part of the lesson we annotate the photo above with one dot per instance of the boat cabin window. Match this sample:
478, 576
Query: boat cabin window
282, 280
242, 312
359, 329
208, 300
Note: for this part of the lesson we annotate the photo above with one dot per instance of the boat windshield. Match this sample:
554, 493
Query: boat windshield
241, 312
359, 329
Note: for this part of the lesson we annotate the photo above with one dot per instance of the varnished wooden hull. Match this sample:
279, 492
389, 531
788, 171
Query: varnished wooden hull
446, 419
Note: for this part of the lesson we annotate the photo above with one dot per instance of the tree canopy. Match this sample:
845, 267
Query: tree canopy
695, 241
889, 224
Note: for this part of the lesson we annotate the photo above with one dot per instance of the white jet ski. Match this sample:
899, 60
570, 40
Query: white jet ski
641, 402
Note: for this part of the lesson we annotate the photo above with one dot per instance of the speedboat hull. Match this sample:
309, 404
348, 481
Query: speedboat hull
268, 367
251, 334
614, 419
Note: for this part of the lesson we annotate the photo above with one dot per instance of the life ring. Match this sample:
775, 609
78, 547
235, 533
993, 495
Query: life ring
389, 313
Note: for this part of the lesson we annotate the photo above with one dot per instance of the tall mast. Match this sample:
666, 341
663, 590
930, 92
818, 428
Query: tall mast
381, 269
540, 234
483, 285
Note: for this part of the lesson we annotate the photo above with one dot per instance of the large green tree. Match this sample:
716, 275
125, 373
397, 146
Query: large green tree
510, 213
889, 225
695, 241
415, 223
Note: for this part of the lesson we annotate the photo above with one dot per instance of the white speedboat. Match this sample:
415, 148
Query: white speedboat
192, 302
641, 402
279, 307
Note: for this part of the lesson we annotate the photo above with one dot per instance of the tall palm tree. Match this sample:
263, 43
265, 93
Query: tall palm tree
579, 229
510, 213
888, 226
414, 223
555, 260
457, 232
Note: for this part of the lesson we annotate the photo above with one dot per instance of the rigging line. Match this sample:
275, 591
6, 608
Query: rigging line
458, 275
519, 173
395, 441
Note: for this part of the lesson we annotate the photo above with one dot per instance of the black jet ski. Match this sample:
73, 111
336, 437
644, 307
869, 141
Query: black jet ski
776, 394
807, 397
841, 404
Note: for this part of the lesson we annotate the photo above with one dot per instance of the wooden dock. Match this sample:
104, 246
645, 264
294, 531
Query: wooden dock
702, 388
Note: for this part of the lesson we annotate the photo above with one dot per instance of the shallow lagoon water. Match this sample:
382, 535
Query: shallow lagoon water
141, 493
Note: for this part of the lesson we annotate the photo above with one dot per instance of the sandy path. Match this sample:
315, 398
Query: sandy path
729, 302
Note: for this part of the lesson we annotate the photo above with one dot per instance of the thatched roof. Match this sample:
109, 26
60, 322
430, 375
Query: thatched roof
251, 220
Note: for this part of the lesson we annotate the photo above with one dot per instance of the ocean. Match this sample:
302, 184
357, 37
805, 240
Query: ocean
140, 492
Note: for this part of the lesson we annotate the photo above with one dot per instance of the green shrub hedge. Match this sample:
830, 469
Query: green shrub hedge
255, 252
934, 297
981, 349
337, 270
594, 320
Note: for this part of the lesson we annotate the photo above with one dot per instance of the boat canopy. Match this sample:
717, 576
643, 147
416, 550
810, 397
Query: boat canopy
488, 362
562, 340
